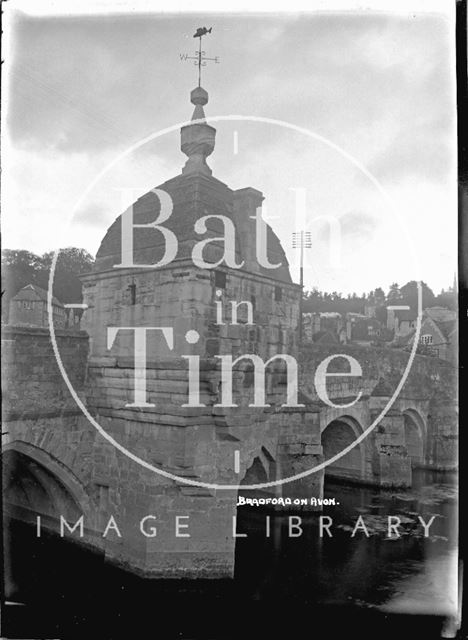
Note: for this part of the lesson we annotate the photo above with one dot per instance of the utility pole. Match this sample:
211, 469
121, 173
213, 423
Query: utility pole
301, 240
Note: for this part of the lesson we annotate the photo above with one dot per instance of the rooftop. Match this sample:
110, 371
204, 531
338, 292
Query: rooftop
447, 327
196, 193
33, 292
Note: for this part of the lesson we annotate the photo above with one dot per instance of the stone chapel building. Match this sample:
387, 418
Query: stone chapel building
193, 442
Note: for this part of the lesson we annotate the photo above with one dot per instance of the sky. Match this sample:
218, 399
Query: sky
367, 132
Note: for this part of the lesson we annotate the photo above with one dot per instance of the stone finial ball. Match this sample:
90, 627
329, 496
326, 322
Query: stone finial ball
199, 96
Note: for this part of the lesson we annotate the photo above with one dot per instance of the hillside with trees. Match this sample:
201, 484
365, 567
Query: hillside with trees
20, 268
321, 301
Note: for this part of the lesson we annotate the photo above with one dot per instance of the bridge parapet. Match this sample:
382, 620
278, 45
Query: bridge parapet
424, 409
427, 375
32, 383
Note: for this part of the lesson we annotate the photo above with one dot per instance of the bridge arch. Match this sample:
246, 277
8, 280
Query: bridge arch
415, 436
33, 476
262, 468
339, 433
37, 485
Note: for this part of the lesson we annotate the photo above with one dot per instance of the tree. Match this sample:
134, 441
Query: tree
20, 268
316, 301
381, 314
409, 295
394, 294
447, 299
379, 296
71, 262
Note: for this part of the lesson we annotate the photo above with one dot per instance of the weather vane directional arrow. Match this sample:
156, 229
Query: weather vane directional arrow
199, 58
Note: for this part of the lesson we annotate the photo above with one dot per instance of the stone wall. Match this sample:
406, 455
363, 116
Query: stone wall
185, 298
199, 443
32, 383
427, 375
430, 391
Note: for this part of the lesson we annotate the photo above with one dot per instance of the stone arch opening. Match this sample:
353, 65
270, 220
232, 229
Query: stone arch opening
31, 489
337, 435
40, 565
414, 437
50, 467
262, 469
255, 474
254, 555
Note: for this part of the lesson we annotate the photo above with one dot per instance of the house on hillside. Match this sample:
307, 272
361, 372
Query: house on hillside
29, 307
368, 331
324, 326
438, 338
326, 336
311, 325
401, 320
441, 314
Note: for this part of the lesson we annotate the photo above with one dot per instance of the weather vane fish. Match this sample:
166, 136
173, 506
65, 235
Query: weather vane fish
200, 58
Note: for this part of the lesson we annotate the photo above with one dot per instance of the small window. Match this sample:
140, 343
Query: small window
253, 300
426, 339
278, 294
220, 279
132, 290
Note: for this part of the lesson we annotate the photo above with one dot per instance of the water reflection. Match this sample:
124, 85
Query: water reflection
409, 574
365, 581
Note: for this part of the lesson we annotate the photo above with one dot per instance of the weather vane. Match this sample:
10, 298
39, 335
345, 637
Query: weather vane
199, 58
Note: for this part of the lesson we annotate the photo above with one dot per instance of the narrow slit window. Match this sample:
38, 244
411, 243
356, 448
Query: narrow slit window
220, 279
132, 290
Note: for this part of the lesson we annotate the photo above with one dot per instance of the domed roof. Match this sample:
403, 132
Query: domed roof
194, 194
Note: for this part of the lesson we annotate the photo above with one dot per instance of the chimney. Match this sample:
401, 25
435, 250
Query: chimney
245, 204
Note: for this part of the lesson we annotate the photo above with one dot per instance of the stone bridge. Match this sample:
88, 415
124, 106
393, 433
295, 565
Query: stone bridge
211, 302
59, 467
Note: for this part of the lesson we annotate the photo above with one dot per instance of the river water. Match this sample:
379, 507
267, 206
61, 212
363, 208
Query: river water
397, 588
411, 574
